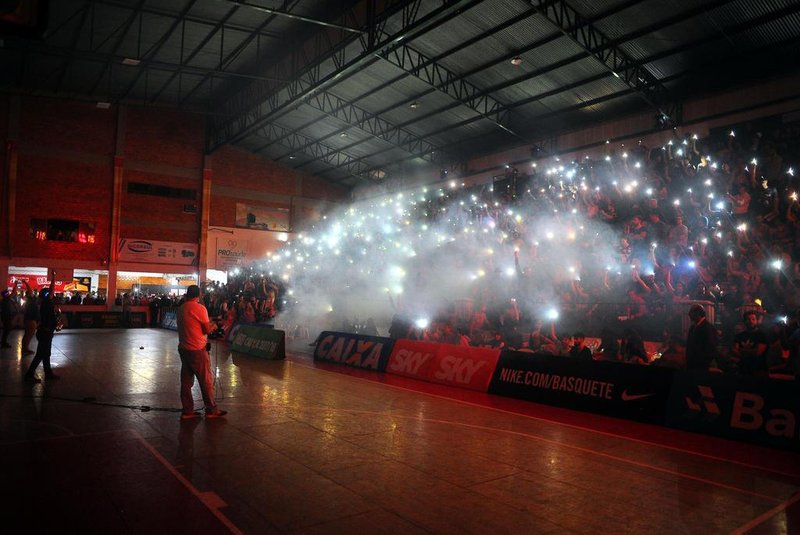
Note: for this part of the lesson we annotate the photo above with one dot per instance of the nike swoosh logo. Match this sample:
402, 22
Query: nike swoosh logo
630, 397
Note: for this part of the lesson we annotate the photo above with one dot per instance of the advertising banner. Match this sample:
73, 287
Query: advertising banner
752, 409
101, 320
617, 389
81, 284
259, 341
460, 366
157, 252
358, 351
262, 217
230, 253
230, 247
170, 321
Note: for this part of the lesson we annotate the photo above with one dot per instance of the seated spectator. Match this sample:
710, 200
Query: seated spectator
750, 347
609, 346
579, 349
673, 354
497, 341
632, 349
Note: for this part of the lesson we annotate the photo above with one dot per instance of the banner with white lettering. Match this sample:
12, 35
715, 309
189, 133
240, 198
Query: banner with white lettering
259, 341
751, 409
460, 366
157, 252
617, 389
358, 351
230, 253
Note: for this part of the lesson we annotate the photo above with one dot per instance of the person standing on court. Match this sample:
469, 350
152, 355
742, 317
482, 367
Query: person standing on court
48, 322
193, 329
701, 342
8, 309
31, 319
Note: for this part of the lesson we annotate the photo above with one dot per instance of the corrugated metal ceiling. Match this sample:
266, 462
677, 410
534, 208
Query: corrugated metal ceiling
247, 68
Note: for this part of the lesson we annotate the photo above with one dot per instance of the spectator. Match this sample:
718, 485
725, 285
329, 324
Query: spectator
750, 347
701, 341
579, 349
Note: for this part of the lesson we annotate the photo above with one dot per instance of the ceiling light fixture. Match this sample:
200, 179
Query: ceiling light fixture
516, 61
103, 105
131, 61
414, 105
343, 134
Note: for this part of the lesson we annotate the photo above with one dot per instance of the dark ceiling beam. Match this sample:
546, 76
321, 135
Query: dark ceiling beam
179, 21
725, 33
370, 123
274, 102
154, 10
293, 16
185, 61
224, 62
389, 83
85, 10
97, 57
123, 31
434, 72
590, 38
300, 143
557, 65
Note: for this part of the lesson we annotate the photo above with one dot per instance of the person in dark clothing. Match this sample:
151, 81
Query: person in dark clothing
31, 319
8, 308
632, 349
579, 350
750, 347
155, 306
609, 346
701, 341
44, 334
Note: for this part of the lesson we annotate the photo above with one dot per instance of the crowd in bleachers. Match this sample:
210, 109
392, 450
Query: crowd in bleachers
713, 220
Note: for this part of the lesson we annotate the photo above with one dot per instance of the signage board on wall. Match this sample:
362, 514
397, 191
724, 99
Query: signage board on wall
74, 284
262, 217
230, 247
157, 252
230, 253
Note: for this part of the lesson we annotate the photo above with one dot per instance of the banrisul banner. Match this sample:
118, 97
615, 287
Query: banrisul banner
623, 390
752, 409
461, 366
261, 342
359, 351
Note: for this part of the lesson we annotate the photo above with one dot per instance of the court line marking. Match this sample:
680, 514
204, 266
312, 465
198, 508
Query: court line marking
582, 449
555, 442
760, 519
209, 499
556, 422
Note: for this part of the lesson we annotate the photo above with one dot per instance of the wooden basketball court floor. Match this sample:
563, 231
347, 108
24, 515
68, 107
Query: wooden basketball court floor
310, 448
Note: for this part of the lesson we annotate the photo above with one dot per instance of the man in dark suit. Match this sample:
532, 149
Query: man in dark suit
701, 342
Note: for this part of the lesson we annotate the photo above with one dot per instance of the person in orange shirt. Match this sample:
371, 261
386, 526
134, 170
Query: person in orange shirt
193, 329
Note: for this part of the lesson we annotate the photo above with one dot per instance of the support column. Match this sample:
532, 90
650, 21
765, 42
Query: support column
11, 194
116, 208
205, 217
3, 275
12, 155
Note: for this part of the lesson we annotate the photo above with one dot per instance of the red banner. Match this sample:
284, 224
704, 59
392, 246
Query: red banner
37, 283
461, 366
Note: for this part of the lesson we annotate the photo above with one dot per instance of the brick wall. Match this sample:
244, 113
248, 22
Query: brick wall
242, 177
3, 171
66, 171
